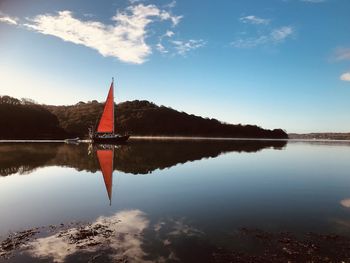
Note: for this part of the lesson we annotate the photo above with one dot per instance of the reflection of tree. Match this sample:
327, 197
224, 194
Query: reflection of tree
137, 157
146, 156
24, 158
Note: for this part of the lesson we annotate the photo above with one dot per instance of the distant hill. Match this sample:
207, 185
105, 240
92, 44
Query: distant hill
321, 136
133, 117
26, 120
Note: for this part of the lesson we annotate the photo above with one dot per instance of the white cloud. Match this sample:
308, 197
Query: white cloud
8, 20
135, 1
169, 33
174, 19
342, 54
254, 20
281, 33
275, 36
160, 47
125, 39
345, 76
171, 4
183, 47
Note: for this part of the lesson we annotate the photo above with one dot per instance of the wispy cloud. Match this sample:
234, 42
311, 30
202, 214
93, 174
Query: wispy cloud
160, 47
345, 76
261, 33
274, 36
171, 4
280, 34
307, 1
314, 1
341, 53
183, 47
8, 20
254, 20
135, 1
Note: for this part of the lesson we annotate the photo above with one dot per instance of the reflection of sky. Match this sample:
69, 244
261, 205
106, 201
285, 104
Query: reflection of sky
297, 188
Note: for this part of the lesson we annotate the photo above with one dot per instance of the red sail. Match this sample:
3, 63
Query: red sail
105, 157
106, 124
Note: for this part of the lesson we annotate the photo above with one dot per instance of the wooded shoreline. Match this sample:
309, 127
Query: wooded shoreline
25, 119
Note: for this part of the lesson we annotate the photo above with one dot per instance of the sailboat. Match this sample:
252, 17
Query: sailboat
105, 158
105, 129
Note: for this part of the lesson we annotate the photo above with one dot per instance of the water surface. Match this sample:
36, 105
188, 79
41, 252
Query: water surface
172, 201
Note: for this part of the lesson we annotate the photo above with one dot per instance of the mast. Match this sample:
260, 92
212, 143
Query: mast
113, 101
110, 197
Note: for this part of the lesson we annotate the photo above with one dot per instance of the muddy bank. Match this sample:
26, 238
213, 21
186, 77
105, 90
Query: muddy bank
93, 241
286, 247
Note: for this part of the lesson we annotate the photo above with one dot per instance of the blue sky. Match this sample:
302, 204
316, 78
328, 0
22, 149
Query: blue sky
274, 63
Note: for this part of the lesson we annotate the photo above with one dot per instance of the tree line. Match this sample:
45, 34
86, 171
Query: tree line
27, 119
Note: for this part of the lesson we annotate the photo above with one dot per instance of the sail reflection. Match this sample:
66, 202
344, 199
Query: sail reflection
105, 157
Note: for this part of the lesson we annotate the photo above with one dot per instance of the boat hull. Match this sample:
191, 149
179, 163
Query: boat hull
118, 139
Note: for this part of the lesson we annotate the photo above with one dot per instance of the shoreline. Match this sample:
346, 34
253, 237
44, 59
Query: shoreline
172, 138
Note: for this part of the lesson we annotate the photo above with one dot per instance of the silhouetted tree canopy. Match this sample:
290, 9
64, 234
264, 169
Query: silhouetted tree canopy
27, 121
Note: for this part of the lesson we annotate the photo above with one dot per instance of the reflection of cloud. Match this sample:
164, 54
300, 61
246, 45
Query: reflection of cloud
129, 230
169, 232
52, 247
345, 203
180, 228
125, 239
120, 236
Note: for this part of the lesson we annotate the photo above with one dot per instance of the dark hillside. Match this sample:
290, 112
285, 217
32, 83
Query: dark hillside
28, 120
146, 118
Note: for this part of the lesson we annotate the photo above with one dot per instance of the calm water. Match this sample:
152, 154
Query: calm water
172, 201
